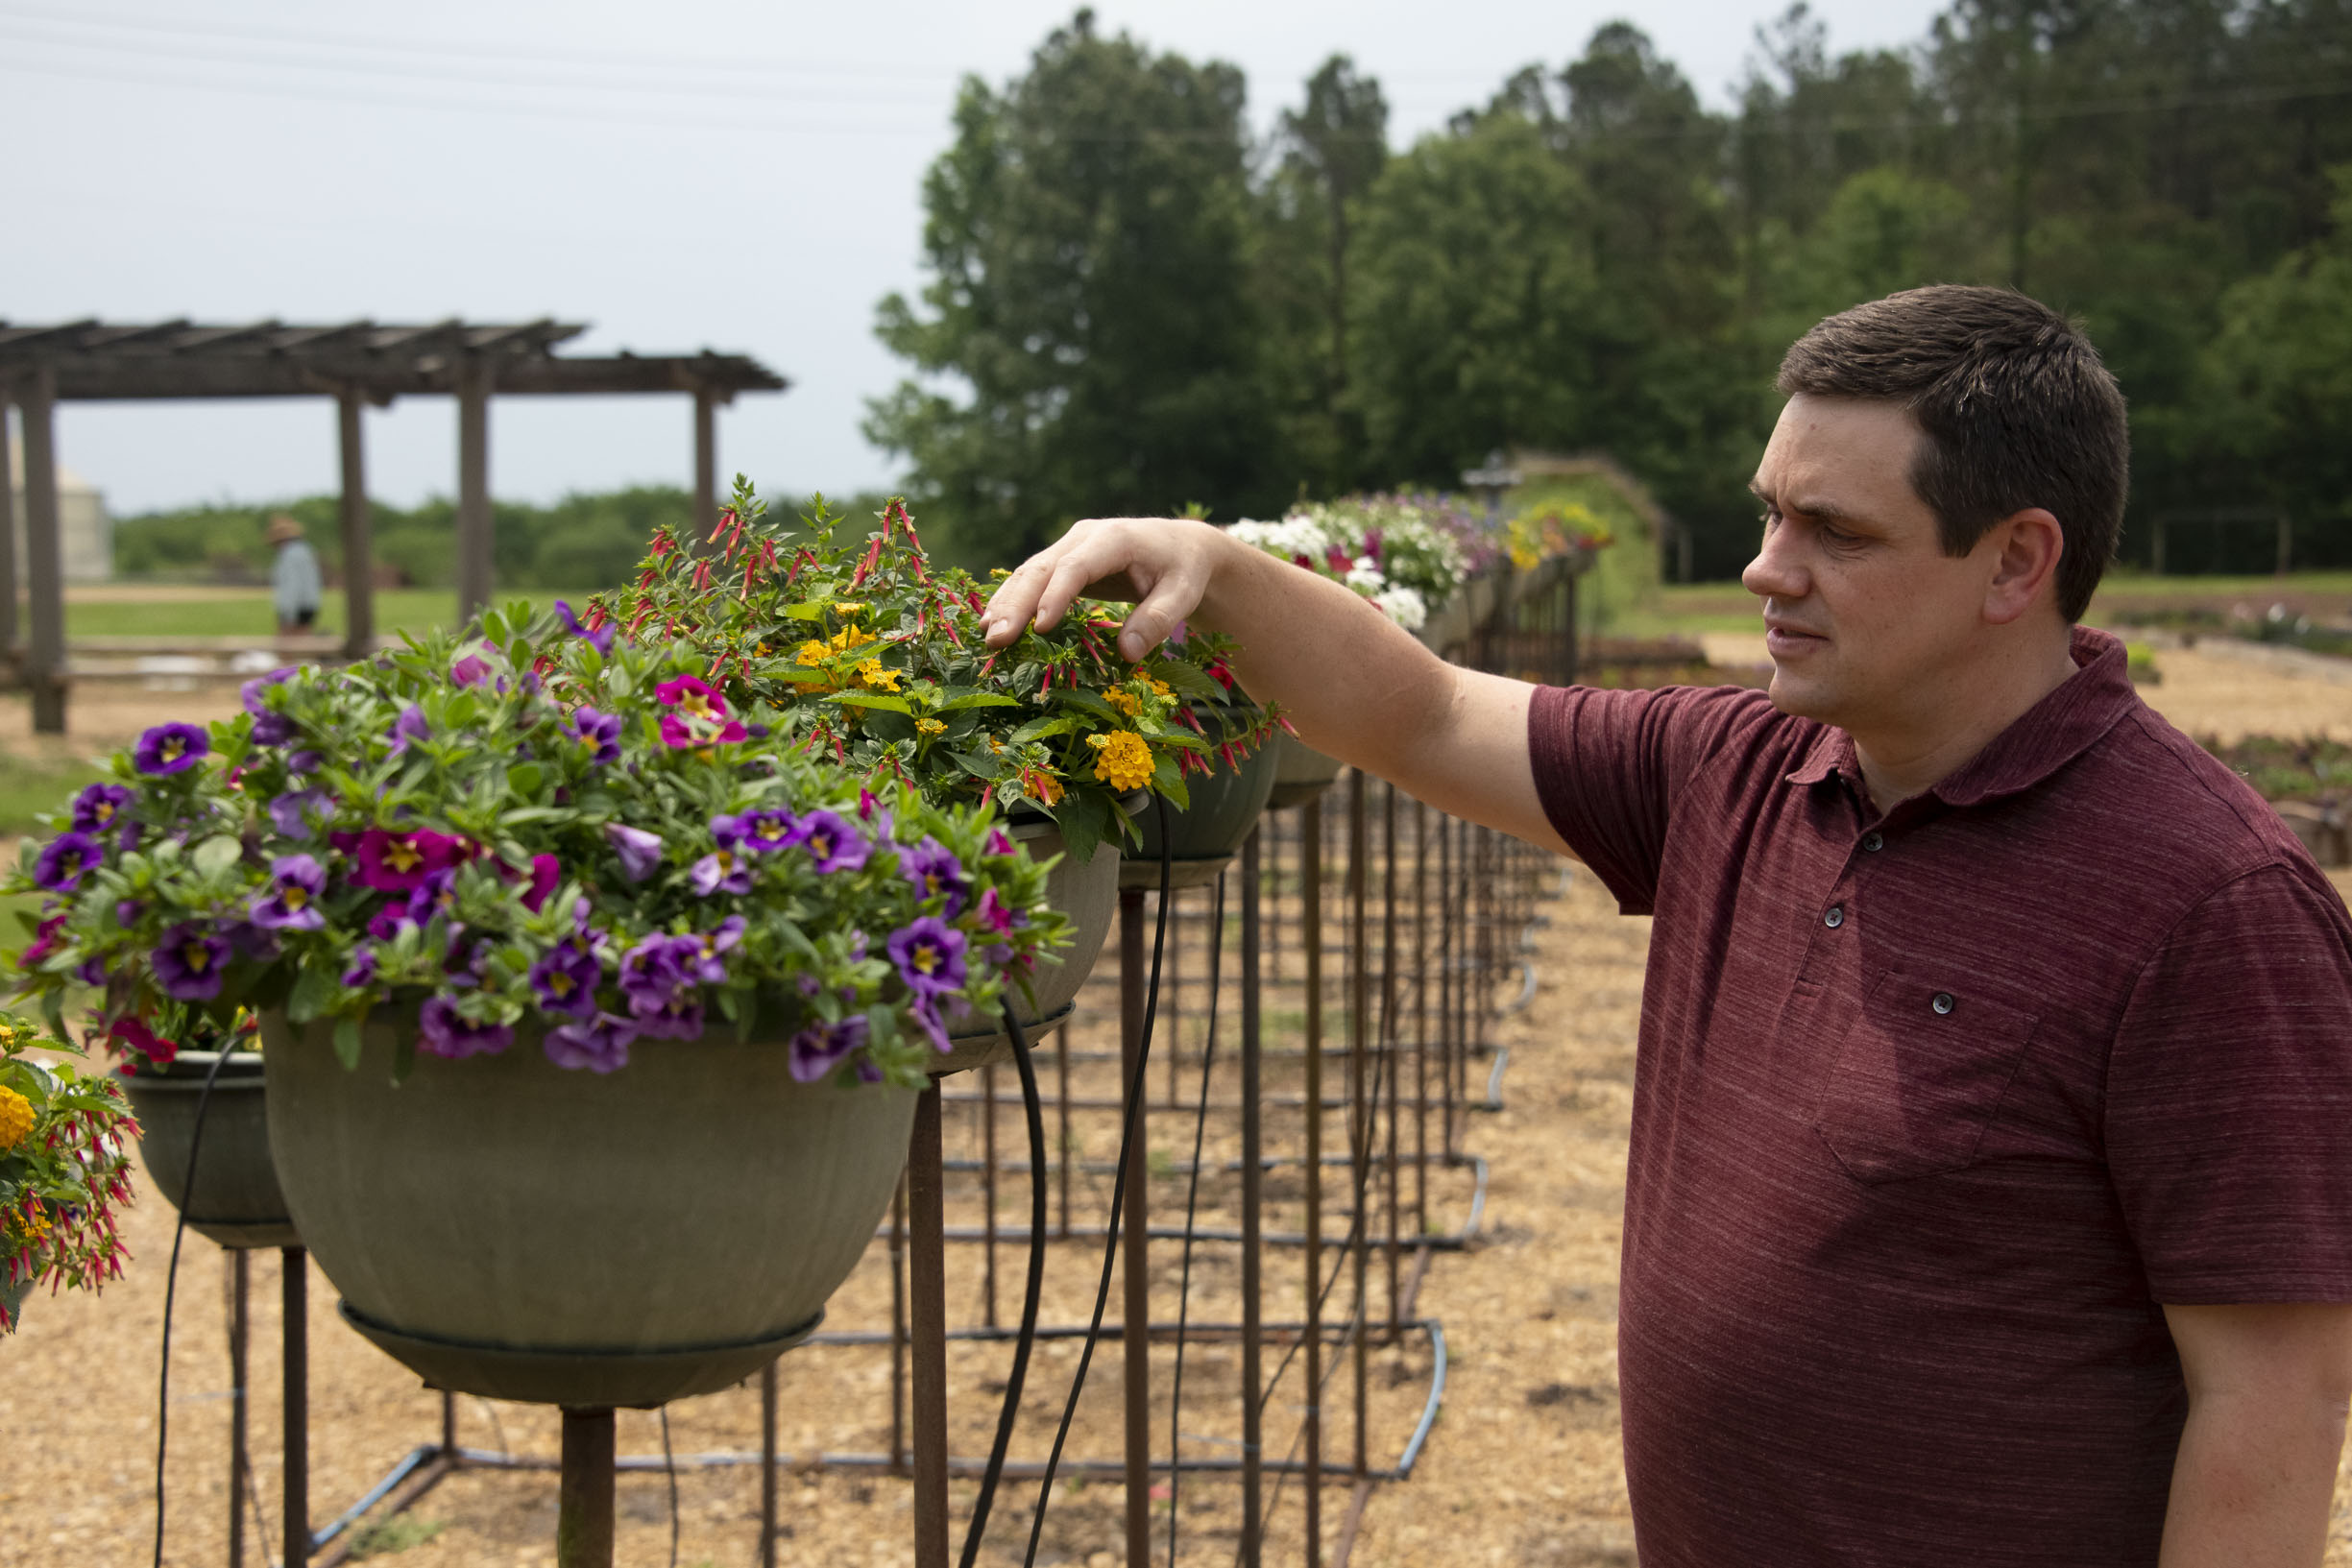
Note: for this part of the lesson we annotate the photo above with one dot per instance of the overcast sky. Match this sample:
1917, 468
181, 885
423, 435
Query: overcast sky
727, 173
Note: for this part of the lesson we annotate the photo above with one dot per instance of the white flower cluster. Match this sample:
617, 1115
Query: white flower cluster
1321, 546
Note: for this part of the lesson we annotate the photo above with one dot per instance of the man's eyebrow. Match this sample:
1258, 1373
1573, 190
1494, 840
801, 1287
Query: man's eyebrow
1819, 506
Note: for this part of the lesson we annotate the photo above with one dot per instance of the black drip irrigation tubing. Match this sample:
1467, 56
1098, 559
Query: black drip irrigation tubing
171, 1287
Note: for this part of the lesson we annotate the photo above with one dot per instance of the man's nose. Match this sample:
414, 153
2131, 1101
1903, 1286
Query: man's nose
1777, 573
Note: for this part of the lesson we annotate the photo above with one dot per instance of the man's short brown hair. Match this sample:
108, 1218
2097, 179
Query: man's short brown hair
2015, 408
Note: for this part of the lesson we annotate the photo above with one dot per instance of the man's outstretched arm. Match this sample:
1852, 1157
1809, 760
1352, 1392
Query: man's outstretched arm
1355, 685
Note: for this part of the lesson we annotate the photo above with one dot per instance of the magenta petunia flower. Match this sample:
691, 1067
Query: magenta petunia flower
929, 953
469, 670
188, 963
681, 733
170, 748
445, 1031
398, 862
546, 873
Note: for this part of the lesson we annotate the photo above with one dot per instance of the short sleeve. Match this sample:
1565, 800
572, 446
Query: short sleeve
1610, 766
2229, 1099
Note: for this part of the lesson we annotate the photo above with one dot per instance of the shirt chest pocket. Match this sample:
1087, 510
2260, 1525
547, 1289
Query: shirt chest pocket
1919, 1078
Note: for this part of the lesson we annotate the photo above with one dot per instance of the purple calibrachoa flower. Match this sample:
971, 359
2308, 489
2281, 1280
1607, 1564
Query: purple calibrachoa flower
127, 912
819, 1049
296, 882
707, 963
936, 872
469, 670
600, 640
664, 1002
834, 844
170, 748
725, 869
929, 953
925, 1011
565, 982
361, 970
67, 859
640, 852
299, 813
445, 1031
306, 761
600, 1044
409, 726
96, 808
598, 733
190, 961
271, 728
769, 830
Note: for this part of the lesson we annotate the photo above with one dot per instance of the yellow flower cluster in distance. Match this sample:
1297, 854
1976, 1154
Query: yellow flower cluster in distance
1126, 761
16, 1118
877, 678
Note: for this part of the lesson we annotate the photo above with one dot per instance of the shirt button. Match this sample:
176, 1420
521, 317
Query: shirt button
1836, 916
1942, 1002
1874, 841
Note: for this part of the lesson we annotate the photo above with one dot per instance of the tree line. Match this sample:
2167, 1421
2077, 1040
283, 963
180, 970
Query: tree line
1134, 303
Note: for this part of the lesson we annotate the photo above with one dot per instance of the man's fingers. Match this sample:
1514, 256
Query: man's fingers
1176, 596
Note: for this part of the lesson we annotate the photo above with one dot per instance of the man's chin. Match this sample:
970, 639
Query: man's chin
1800, 697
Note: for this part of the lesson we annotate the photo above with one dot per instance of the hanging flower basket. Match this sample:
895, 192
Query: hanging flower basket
1301, 773
507, 1228
1205, 834
236, 1198
64, 1169
1083, 892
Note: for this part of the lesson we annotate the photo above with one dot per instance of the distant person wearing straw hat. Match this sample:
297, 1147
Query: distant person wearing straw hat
294, 581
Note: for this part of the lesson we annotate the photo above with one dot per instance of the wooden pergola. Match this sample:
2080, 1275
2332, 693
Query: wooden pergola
354, 363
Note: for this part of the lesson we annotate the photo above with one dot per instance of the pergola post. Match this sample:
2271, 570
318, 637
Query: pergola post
706, 463
473, 487
8, 532
45, 650
358, 531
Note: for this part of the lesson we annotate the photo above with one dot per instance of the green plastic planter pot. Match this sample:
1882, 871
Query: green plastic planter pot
1300, 773
509, 1228
1087, 893
235, 1201
1203, 836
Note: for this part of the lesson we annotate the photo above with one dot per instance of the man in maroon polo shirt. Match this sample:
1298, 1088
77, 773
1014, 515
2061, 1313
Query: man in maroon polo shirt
1990, 1195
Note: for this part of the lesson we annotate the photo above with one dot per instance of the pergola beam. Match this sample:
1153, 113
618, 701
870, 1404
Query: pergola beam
358, 531
45, 648
474, 556
8, 533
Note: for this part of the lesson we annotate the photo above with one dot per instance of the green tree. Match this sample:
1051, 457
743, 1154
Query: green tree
1088, 342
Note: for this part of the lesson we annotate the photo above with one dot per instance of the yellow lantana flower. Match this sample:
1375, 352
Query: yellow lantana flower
1125, 701
1125, 760
929, 726
16, 1118
844, 607
814, 653
877, 678
848, 637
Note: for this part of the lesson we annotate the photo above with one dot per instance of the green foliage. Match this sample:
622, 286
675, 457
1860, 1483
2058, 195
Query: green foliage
1089, 312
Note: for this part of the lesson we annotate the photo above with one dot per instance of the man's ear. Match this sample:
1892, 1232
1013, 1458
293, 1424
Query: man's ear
2026, 547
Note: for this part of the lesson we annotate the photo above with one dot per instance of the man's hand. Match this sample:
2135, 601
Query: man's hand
2267, 1387
1160, 564
1355, 685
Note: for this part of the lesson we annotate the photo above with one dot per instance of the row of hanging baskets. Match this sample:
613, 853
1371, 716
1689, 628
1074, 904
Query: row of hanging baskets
606, 950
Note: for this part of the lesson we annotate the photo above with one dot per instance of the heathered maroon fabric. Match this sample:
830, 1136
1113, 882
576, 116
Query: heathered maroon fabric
1905, 1191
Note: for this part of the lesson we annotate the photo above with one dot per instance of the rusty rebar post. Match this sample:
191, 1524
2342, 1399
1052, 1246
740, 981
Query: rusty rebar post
294, 1392
1135, 1320
767, 1464
927, 1314
1310, 945
1388, 1029
584, 1495
1064, 1155
1253, 1196
987, 1182
1359, 1106
1420, 1019
240, 1457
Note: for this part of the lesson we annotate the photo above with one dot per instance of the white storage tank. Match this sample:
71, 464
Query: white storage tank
86, 534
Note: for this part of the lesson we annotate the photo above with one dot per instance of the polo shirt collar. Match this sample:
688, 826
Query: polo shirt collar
2050, 735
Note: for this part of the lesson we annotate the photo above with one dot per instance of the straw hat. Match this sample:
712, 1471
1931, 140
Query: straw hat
283, 528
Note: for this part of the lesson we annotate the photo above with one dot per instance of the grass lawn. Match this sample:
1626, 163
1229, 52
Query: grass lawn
28, 787
396, 610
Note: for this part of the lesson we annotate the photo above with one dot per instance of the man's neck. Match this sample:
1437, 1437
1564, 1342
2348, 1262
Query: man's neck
1901, 760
